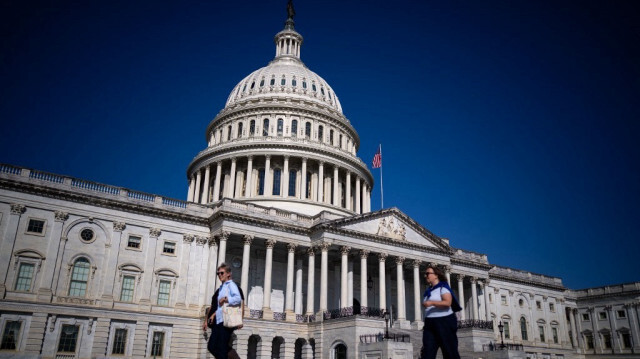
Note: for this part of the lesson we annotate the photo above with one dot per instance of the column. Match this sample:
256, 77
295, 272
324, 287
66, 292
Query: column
45, 290
634, 327
268, 264
417, 296
310, 281
324, 252
447, 273
298, 294
112, 262
268, 177
402, 313
205, 189
222, 251
285, 178
350, 284
474, 295
303, 180
216, 186
8, 243
336, 184
185, 249
213, 267
364, 198
461, 295
358, 195
321, 182
290, 315
246, 257
364, 291
348, 191
343, 278
382, 257
574, 330
232, 180
192, 187
247, 188
196, 197
485, 290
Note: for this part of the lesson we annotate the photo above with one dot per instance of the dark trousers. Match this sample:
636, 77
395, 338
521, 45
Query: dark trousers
218, 344
440, 333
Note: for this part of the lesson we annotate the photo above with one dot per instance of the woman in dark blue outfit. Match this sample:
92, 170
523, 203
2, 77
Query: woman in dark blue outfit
440, 322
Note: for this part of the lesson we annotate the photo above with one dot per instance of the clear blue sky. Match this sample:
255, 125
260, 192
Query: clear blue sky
509, 127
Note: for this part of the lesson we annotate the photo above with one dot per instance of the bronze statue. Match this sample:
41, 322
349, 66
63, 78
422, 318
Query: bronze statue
290, 11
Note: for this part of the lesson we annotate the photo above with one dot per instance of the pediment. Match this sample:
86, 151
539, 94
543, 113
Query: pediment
392, 224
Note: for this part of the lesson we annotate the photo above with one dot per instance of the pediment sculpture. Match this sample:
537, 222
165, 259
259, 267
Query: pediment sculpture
391, 228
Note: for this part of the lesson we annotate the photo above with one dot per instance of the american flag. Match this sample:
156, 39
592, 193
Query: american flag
377, 159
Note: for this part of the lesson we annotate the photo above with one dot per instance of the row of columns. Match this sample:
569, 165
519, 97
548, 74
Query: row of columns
632, 313
201, 188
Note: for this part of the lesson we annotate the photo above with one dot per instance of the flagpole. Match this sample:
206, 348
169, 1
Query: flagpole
381, 191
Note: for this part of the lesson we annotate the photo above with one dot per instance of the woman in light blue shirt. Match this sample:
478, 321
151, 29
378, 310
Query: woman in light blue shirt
440, 322
230, 294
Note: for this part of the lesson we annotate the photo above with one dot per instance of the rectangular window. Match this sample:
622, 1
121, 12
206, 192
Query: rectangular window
134, 242
602, 315
503, 299
541, 330
157, 344
68, 338
585, 317
119, 341
169, 248
164, 290
507, 332
554, 332
35, 226
606, 338
552, 307
25, 276
626, 340
621, 314
538, 304
128, 285
10, 335
292, 183
588, 338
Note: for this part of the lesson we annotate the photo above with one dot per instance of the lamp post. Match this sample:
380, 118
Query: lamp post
387, 316
501, 329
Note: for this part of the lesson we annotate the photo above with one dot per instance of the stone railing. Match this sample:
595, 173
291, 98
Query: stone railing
375, 338
305, 318
477, 324
525, 276
255, 314
230, 205
496, 346
471, 256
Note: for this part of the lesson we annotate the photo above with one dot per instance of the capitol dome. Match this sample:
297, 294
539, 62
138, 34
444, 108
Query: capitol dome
282, 141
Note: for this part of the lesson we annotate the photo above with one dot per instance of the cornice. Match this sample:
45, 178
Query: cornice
259, 222
588, 297
526, 282
471, 264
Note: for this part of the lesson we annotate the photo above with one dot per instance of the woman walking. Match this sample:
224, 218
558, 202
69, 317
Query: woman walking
440, 322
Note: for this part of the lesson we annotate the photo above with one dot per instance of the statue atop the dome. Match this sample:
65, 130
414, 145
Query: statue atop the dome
290, 11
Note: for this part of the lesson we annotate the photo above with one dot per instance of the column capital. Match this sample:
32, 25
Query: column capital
119, 226
364, 253
250, 157
269, 243
399, 260
321, 163
155, 232
286, 157
324, 246
473, 280
201, 241
382, 257
234, 159
416, 263
212, 242
188, 238
446, 268
268, 157
311, 251
247, 239
224, 235
304, 159
291, 247
345, 250
61, 216
460, 276
17, 208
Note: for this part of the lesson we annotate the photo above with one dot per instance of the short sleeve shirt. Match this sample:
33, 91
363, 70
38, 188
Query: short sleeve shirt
433, 311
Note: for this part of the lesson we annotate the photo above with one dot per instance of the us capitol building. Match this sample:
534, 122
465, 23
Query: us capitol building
89, 270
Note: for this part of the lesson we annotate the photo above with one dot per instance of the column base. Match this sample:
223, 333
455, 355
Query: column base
403, 324
267, 313
291, 316
417, 324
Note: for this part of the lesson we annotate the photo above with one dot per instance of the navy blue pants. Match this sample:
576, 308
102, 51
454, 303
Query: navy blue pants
440, 333
218, 344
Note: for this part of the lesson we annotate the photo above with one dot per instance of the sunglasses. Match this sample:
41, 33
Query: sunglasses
221, 273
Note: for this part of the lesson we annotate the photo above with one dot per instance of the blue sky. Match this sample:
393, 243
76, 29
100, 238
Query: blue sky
508, 127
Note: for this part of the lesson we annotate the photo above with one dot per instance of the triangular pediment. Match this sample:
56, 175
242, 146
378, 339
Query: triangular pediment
391, 224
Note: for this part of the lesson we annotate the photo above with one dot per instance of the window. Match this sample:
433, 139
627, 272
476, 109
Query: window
507, 331
68, 338
606, 338
552, 307
554, 332
229, 130
157, 344
503, 299
538, 304
626, 340
10, 335
340, 141
313, 87
134, 242
307, 130
169, 248
292, 183
265, 127
164, 289
322, 90
128, 286
239, 134
523, 328
25, 276
262, 83
294, 128
272, 82
307, 189
119, 341
340, 351
541, 330
320, 133
602, 315
621, 314
277, 173
261, 181
588, 338
253, 84
87, 235
252, 127
304, 83
280, 126
521, 302
244, 87
331, 137
294, 83
35, 226
283, 82
585, 317
79, 278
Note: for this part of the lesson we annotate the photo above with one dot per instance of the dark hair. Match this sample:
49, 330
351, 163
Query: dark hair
224, 266
437, 270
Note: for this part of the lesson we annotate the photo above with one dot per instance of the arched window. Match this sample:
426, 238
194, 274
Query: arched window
320, 133
229, 133
239, 130
277, 174
331, 137
304, 83
273, 81
313, 87
79, 278
261, 182
280, 126
252, 127
307, 130
283, 81
294, 83
292, 183
322, 90
294, 128
265, 127
523, 328
340, 352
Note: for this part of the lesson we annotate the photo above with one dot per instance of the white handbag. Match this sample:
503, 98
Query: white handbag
232, 315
